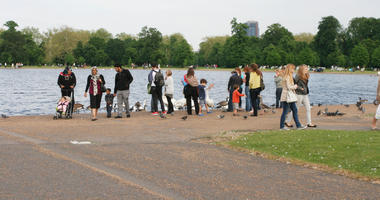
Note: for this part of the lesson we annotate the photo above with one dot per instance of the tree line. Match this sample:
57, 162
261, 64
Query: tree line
356, 45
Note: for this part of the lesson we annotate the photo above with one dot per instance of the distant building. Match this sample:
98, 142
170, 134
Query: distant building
253, 28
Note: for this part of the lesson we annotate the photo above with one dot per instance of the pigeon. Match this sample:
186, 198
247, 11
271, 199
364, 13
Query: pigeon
245, 117
312, 104
326, 110
4, 116
319, 105
346, 105
220, 116
319, 112
361, 108
273, 111
184, 118
162, 116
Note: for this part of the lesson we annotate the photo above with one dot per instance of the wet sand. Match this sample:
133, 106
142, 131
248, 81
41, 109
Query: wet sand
146, 157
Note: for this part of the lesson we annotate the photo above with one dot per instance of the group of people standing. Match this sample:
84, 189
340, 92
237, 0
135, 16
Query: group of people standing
290, 92
96, 87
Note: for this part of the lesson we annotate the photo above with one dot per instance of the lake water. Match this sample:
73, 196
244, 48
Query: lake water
35, 91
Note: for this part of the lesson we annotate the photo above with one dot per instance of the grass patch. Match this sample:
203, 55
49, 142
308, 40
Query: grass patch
355, 151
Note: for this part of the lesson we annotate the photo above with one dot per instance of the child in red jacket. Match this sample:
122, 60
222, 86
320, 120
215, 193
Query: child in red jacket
235, 98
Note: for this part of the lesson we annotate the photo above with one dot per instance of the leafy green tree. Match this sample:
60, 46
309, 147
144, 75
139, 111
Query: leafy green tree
100, 57
115, 50
325, 42
333, 58
103, 34
205, 48
272, 56
236, 47
69, 59
307, 56
11, 25
149, 43
275, 33
12, 45
359, 56
304, 37
376, 57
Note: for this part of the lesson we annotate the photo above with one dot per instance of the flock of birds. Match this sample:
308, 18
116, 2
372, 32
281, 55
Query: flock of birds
222, 105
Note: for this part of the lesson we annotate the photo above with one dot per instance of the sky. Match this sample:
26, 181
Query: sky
195, 19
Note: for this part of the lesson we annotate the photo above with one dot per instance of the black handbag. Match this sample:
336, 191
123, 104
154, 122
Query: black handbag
103, 88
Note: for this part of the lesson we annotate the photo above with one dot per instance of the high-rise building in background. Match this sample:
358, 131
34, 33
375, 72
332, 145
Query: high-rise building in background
253, 28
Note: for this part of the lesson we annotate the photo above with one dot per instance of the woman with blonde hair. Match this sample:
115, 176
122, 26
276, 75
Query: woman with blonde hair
289, 97
302, 91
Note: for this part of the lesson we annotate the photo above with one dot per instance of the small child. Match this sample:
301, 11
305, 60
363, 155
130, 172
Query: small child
109, 101
236, 98
203, 96
63, 103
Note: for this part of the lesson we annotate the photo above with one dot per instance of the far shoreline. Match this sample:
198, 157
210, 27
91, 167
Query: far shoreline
199, 69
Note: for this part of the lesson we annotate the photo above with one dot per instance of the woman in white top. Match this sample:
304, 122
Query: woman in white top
169, 90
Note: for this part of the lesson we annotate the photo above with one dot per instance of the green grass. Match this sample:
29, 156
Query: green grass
355, 151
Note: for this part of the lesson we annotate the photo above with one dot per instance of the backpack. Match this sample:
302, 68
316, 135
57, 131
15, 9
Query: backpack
159, 79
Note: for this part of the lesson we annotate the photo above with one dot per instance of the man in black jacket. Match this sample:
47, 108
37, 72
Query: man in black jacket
123, 79
66, 81
235, 79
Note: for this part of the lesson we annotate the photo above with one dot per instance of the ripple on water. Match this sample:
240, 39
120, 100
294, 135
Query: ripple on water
39, 93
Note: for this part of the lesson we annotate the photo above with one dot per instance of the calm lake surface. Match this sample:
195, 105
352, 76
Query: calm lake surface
35, 91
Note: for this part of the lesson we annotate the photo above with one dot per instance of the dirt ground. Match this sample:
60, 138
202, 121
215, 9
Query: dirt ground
147, 157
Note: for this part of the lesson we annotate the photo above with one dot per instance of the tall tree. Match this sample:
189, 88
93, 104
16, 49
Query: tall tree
149, 43
325, 42
360, 56
236, 47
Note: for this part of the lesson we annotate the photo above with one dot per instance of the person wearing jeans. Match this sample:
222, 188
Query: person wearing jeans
289, 98
302, 91
248, 105
156, 90
123, 79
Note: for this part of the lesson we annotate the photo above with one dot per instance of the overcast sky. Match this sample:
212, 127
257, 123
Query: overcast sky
195, 19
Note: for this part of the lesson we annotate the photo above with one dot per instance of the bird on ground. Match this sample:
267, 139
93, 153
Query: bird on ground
162, 116
245, 117
220, 116
346, 105
184, 118
78, 107
361, 108
362, 100
4, 116
222, 103
319, 112
312, 104
326, 110
274, 111
319, 104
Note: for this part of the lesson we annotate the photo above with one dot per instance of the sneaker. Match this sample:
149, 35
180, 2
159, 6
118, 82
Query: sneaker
164, 112
301, 127
288, 125
209, 112
128, 115
118, 117
155, 113
284, 129
201, 115
108, 116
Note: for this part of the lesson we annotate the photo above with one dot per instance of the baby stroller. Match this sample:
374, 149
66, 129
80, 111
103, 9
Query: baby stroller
65, 107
